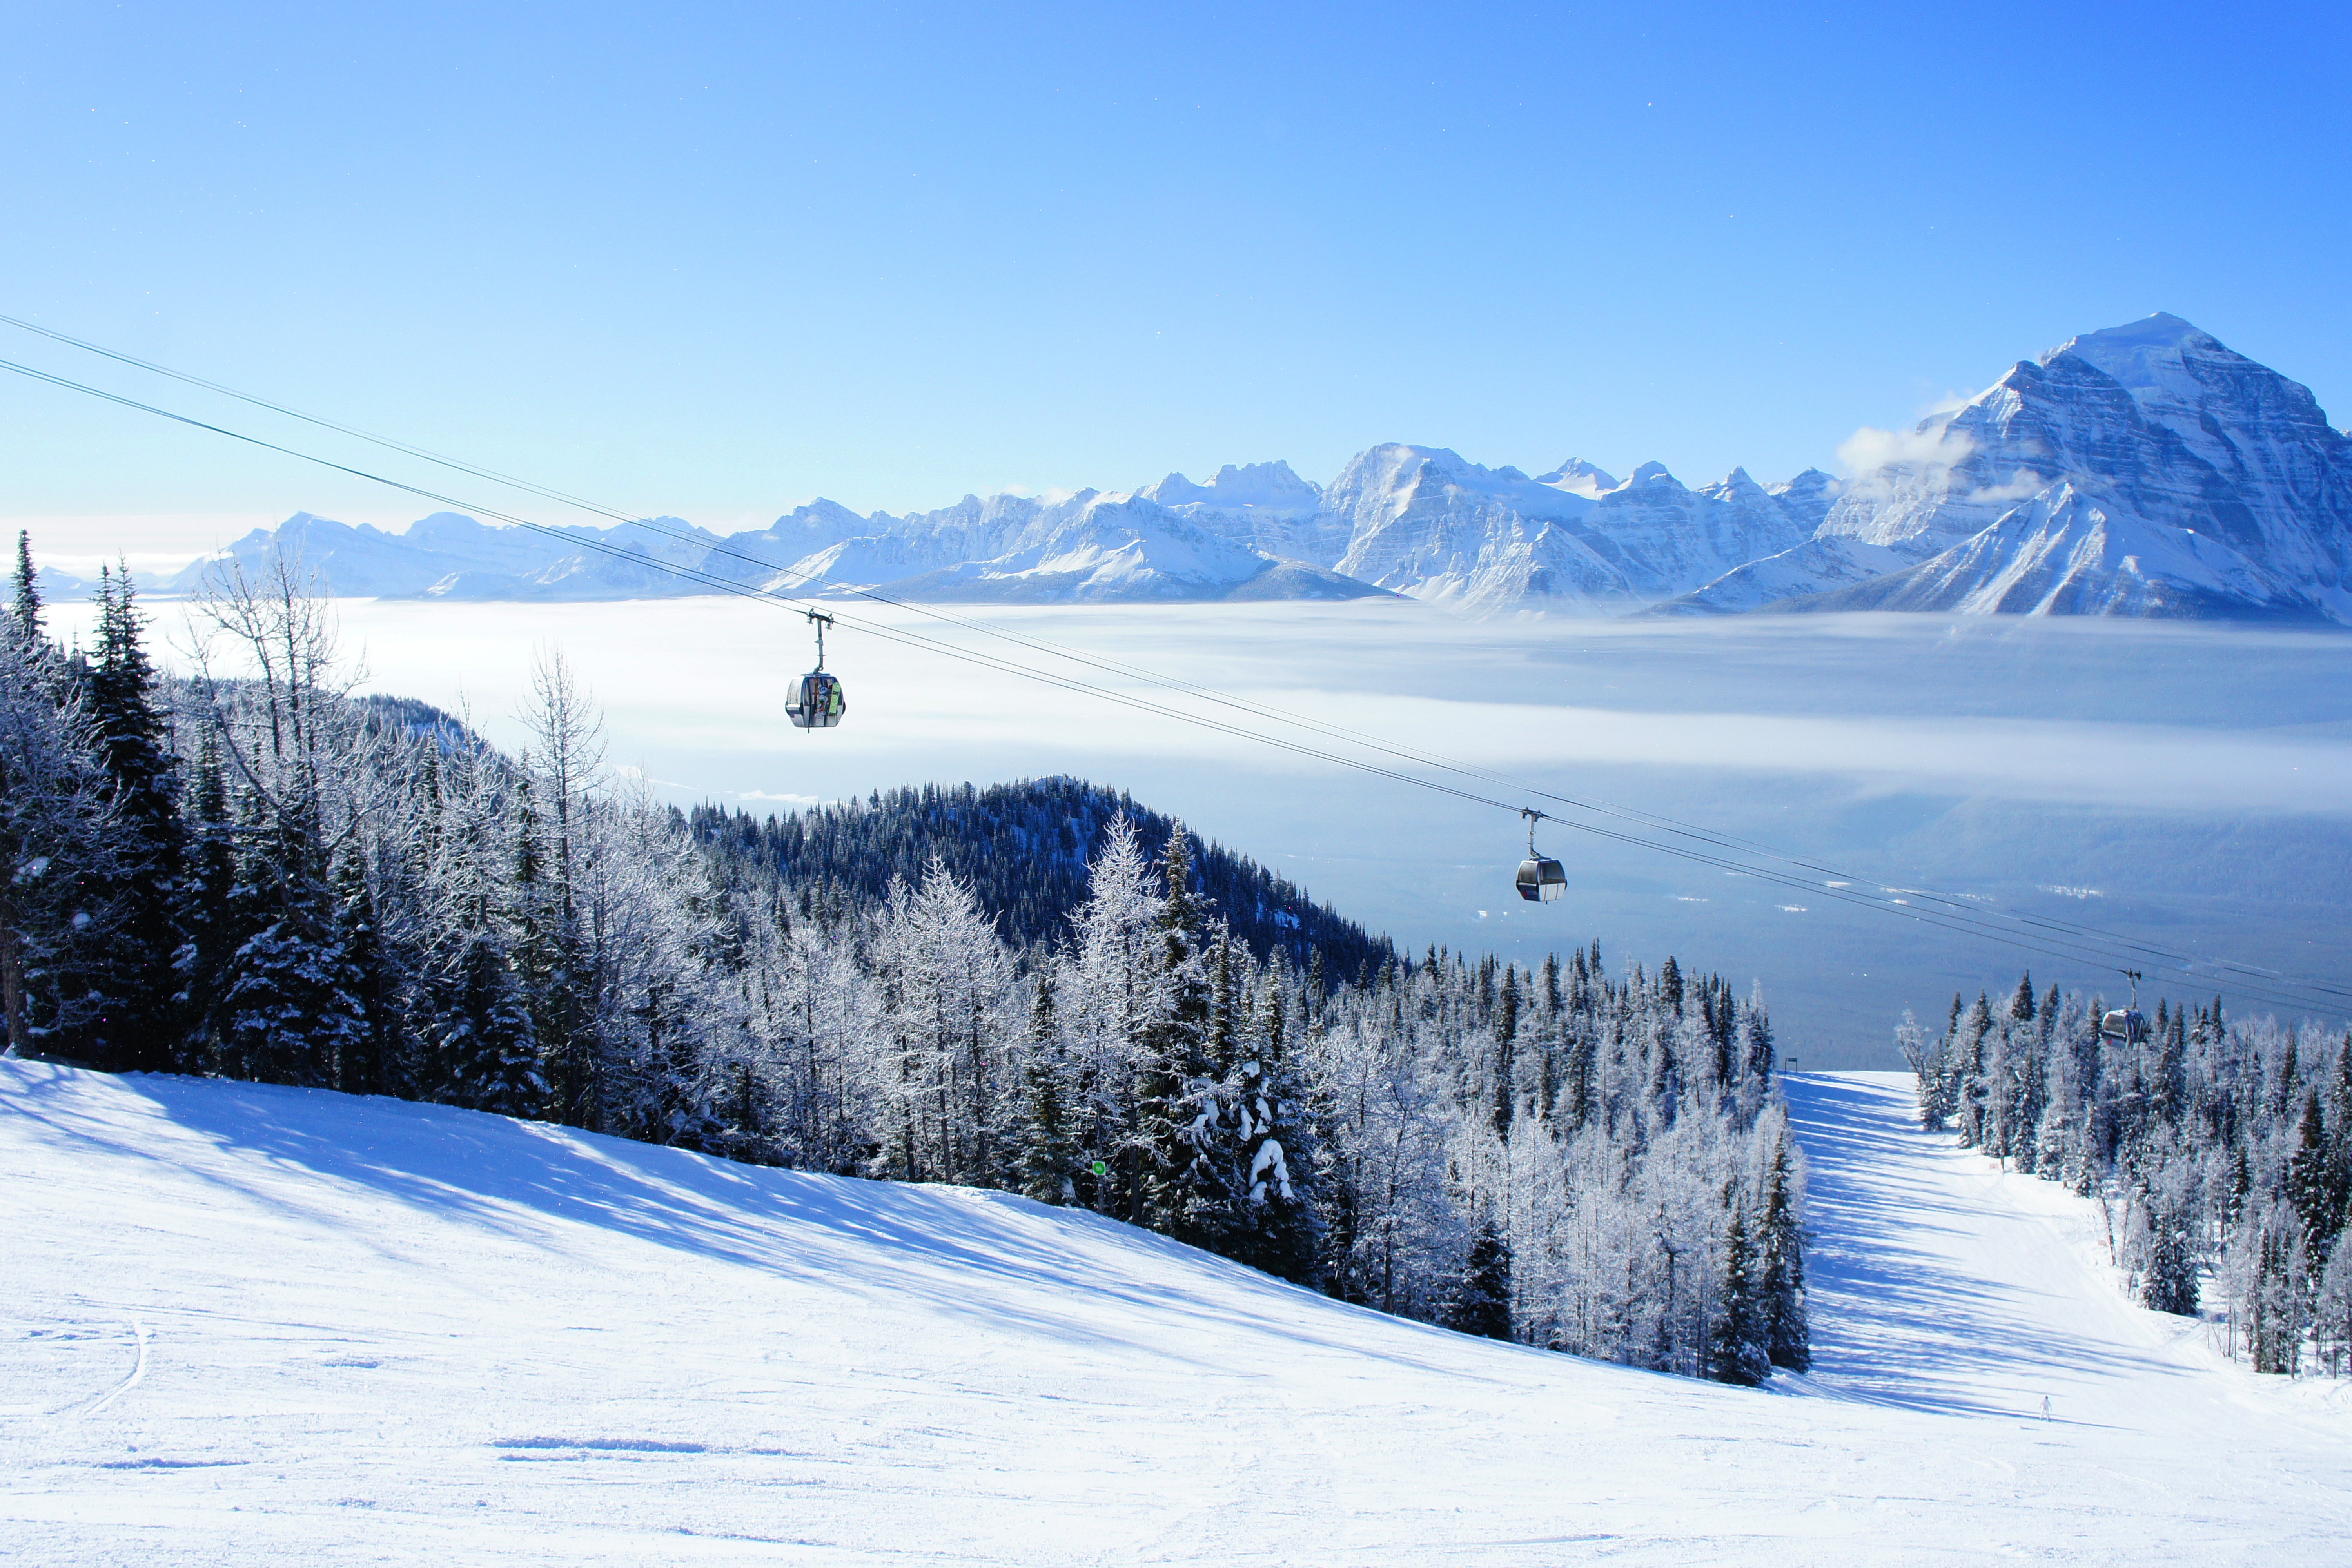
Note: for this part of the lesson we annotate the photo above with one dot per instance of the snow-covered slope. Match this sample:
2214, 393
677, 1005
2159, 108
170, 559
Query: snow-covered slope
252, 1325
2143, 470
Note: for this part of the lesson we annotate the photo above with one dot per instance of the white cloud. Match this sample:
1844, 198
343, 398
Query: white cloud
785, 799
1870, 451
2019, 486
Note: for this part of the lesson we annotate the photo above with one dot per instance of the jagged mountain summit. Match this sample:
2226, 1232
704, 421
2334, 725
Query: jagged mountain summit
1424, 522
2143, 470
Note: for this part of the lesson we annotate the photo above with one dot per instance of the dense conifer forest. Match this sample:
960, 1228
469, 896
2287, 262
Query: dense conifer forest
249, 872
2219, 1149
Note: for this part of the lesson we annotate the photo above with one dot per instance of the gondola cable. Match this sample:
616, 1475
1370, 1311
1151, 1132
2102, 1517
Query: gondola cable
1957, 921
1969, 909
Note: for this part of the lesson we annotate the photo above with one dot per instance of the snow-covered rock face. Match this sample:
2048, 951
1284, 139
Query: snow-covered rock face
2143, 470
2139, 471
1262, 505
1424, 522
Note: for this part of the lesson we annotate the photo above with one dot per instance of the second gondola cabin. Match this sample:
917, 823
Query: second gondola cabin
1541, 881
815, 701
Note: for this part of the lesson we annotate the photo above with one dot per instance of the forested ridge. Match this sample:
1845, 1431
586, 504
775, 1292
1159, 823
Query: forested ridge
1024, 849
2219, 1151
251, 872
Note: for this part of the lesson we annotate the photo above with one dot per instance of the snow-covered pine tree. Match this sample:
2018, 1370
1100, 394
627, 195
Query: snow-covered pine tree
1788, 1336
1276, 1221
1737, 1340
206, 916
57, 823
1186, 1142
135, 1027
24, 600
368, 1047
1114, 986
1048, 1159
1480, 1301
485, 1032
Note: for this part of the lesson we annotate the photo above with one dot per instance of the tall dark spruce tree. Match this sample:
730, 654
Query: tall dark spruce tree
1787, 1336
1275, 1228
1046, 1162
207, 915
1739, 1345
1187, 1193
287, 1014
137, 1021
1480, 1301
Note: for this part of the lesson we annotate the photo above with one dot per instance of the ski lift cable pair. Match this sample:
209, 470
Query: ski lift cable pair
1970, 911
2064, 943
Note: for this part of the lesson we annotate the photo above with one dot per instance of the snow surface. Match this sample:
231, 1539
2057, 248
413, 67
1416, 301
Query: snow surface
249, 1324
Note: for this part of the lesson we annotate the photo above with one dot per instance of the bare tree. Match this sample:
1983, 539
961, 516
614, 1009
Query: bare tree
568, 732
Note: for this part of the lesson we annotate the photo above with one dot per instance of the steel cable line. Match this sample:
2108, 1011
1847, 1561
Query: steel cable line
1969, 909
1958, 921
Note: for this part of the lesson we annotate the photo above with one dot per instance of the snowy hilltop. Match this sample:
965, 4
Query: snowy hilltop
2144, 470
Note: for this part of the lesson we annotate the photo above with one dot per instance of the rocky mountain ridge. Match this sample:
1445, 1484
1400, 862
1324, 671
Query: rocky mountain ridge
2143, 470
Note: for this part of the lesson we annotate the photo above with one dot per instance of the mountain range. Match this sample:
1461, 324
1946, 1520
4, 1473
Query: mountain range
2145, 470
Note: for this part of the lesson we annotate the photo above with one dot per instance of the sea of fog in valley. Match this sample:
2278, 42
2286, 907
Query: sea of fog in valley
2186, 784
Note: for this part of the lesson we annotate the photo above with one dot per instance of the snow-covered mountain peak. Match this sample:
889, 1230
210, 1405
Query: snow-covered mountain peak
1247, 487
1578, 477
1651, 474
2158, 339
1736, 486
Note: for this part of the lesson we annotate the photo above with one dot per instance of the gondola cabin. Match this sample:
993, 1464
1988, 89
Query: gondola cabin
2125, 1026
1541, 881
815, 701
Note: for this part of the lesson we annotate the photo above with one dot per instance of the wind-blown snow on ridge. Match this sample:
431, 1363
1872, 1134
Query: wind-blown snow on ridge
254, 1324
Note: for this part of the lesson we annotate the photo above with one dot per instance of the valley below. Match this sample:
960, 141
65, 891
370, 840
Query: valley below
2188, 785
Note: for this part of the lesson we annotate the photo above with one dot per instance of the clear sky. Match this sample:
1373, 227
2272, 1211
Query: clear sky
713, 260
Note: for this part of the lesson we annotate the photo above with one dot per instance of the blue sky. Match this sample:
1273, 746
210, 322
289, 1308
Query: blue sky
713, 260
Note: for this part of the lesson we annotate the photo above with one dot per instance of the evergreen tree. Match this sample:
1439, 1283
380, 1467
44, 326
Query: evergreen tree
1738, 1343
1048, 1159
1507, 1030
137, 1025
1275, 1226
543, 948
362, 1064
1480, 1301
486, 1034
1788, 1340
2171, 1285
27, 601
208, 915
57, 833
285, 1011
1185, 1139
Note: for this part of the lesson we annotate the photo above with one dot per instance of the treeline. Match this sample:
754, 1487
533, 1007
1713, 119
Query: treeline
2219, 1150
250, 873
1024, 849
